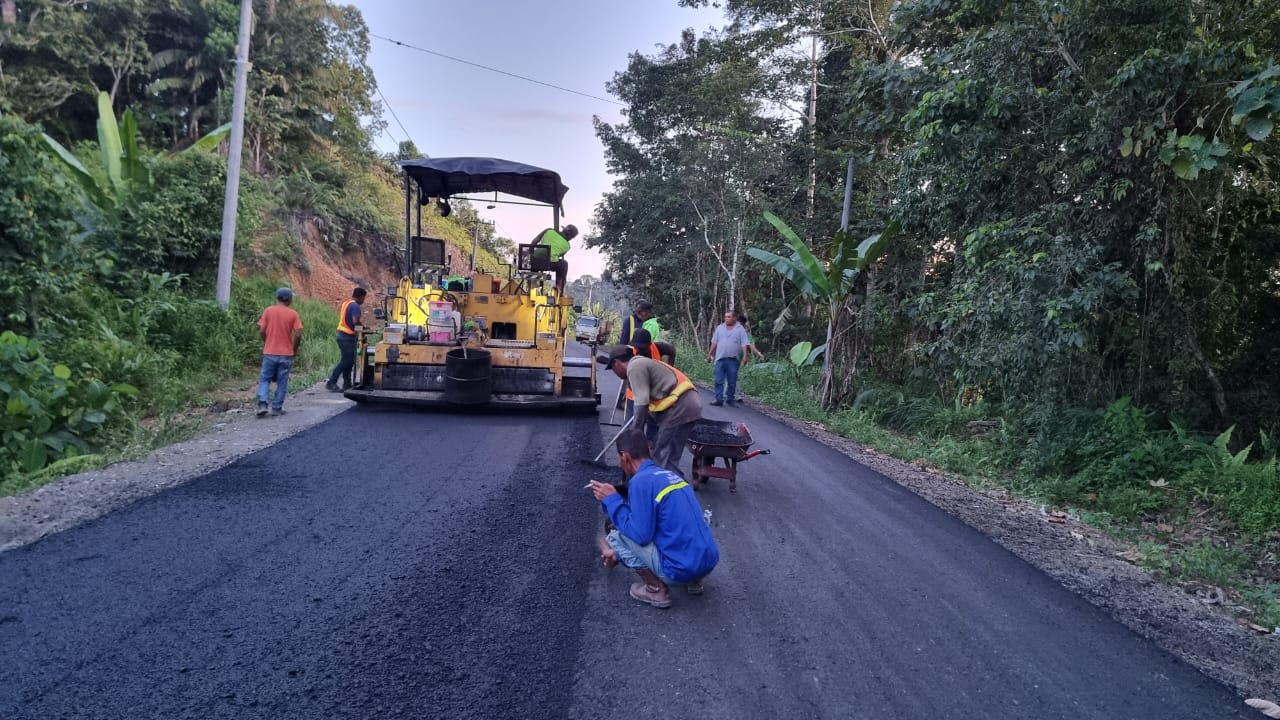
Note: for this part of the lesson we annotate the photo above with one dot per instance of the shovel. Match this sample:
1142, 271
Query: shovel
605, 449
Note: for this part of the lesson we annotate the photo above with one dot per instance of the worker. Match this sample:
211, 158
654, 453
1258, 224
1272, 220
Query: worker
281, 331
751, 341
652, 326
729, 352
642, 313
348, 320
664, 393
558, 241
659, 530
663, 352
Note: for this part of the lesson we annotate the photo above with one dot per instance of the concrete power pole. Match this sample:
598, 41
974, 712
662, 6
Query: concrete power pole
231, 200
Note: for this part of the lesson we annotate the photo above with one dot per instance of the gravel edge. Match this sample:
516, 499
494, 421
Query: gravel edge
1083, 559
77, 499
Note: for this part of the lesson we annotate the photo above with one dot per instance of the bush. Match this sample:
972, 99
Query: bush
50, 411
41, 256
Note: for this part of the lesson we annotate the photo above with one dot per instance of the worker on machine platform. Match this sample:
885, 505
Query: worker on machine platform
659, 528
663, 393
558, 241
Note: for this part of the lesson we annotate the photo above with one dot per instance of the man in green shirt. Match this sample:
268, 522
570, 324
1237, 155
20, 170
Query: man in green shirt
558, 241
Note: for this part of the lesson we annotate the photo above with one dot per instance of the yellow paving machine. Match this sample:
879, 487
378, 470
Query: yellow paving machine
494, 337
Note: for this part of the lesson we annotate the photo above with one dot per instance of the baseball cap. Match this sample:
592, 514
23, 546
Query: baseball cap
644, 305
284, 293
620, 352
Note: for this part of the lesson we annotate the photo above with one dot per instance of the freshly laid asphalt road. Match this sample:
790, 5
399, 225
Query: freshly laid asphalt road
391, 564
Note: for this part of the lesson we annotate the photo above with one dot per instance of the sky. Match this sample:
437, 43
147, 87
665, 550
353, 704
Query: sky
450, 109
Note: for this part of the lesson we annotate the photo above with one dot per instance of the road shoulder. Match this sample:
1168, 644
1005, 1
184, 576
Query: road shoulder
1083, 559
76, 499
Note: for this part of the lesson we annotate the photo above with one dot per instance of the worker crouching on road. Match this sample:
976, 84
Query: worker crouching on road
659, 529
663, 393
348, 320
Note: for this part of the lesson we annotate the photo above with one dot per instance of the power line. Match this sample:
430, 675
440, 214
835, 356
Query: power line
397, 117
496, 70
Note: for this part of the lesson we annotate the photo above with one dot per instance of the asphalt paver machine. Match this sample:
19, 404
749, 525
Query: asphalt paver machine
494, 337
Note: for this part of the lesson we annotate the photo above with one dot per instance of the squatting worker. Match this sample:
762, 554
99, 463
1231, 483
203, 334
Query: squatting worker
558, 241
729, 352
348, 319
281, 331
659, 529
663, 393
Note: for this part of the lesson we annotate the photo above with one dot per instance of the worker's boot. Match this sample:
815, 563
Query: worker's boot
651, 590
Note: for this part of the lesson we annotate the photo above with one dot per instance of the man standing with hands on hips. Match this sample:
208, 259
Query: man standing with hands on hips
728, 352
348, 320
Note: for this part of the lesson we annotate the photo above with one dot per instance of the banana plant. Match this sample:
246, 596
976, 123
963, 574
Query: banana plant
825, 282
124, 166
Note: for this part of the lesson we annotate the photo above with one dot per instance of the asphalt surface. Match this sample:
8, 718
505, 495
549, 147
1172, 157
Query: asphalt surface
390, 564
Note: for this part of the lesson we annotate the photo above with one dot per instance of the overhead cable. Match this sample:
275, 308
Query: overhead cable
496, 70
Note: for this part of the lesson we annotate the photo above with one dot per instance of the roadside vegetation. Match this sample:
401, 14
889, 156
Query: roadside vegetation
1070, 215
112, 170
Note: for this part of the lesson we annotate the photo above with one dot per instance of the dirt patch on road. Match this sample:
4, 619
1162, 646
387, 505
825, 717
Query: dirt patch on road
1084, 559
234, 433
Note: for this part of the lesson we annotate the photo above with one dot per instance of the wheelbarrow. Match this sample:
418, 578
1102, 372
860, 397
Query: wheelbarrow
713, 440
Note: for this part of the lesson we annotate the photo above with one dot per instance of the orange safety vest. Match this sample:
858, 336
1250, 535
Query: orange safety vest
342, 319
683, 385
655, 354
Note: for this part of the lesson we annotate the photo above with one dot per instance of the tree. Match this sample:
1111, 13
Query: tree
830, 283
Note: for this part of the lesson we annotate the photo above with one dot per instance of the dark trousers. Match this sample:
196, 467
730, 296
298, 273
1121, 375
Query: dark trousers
668, 446
347, 346
561, 267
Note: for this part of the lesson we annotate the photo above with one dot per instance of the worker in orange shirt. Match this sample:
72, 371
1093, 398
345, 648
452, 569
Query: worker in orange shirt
281, 331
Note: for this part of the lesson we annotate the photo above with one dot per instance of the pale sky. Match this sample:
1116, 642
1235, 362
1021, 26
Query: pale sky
450, 109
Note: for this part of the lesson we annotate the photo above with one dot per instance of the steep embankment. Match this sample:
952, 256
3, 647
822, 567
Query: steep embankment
320, 271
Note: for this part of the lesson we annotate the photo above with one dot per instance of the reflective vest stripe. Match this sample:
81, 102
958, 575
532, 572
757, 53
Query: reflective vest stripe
683, 385
342, 319
663, 493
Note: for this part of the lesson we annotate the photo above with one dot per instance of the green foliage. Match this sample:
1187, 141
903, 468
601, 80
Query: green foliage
50, 411
39, 260
1266, 601
1211, 563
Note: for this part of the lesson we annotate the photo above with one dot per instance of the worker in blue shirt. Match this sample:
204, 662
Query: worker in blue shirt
659, 530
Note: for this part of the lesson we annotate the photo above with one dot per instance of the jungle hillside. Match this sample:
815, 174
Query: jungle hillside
112, 165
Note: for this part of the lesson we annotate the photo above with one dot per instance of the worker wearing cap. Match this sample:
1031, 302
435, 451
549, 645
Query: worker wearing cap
643, 345
659, 527
281, 331
558, 241
348, 321
642, 313
663, 393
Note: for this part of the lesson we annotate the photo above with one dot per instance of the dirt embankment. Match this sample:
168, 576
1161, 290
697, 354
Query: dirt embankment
328, 274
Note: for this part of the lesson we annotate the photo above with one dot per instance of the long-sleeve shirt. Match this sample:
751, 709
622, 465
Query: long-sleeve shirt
652, 380
661, 508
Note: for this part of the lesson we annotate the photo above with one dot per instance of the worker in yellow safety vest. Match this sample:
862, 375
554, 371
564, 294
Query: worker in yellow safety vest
348, 320
663, 393
558, 241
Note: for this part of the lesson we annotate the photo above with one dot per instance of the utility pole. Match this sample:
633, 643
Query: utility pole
231, 199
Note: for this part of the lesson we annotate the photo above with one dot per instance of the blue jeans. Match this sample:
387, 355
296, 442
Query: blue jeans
275, 367
726, 371
635, 556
